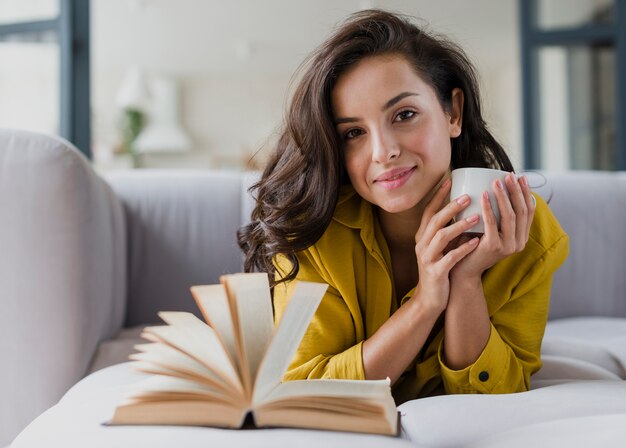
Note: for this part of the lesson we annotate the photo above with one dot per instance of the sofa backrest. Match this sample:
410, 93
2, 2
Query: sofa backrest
591, 207
181, 228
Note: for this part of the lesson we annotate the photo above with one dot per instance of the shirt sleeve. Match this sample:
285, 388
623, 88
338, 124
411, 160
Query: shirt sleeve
329, 348
513, 351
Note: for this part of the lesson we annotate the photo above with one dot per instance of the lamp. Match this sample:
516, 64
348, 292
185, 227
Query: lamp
133, 92
163, 132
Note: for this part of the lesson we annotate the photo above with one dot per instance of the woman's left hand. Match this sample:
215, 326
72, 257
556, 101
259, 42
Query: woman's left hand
516, 217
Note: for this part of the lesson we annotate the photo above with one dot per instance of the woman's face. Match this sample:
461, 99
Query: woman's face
395, 133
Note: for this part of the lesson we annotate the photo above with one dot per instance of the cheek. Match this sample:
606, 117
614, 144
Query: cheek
433, 144
354, 165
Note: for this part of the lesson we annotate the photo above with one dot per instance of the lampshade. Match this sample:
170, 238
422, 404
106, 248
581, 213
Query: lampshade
133, 92
163, 132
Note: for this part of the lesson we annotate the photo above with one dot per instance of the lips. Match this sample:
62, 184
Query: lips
394, 178
394, 174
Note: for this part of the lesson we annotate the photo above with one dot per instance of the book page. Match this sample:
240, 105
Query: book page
178, 412
163, 359
253, 320
164, 386
380, 422
195, 338
298, 314
160, 400
367, 389
213, 303
346, 405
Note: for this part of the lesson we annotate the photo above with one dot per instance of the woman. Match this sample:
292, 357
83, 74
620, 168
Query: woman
355, 196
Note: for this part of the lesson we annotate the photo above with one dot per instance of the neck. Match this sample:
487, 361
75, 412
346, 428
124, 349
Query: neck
399, 229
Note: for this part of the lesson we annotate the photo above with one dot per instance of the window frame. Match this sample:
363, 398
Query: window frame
533, 38
72, 27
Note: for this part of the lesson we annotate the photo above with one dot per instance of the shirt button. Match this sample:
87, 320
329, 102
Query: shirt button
483, 376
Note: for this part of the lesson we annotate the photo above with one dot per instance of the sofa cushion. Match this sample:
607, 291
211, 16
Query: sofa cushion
607, 431
116, 350
560, 369
76, 422
459, 420
600, 341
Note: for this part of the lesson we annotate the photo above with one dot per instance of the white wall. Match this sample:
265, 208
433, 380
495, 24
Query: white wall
234, 60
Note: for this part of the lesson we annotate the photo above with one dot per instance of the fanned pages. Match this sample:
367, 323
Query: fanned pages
302, 305
251, 304
166, 360
213, 303
191, 336
217, 374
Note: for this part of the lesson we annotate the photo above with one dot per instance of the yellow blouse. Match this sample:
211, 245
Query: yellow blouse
353, 258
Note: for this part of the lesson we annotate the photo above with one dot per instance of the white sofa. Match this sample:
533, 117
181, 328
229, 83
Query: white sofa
86, 261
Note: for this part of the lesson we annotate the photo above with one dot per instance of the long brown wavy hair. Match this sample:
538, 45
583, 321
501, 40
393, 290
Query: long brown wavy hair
298, 190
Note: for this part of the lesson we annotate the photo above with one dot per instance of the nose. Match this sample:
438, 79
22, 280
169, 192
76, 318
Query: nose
384, 147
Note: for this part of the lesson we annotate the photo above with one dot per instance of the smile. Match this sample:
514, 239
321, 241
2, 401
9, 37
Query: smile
394, 178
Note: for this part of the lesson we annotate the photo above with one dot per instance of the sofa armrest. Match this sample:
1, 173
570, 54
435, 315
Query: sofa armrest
62, 272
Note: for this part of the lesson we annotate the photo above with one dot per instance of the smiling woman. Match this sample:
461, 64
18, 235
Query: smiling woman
356, 196
407, 137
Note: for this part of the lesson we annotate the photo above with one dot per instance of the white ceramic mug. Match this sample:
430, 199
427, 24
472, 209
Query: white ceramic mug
473, 182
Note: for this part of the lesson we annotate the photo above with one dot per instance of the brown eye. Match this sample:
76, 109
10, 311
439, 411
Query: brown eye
405, 115
352, 133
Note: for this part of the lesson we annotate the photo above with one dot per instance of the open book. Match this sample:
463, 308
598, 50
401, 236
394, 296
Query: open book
230, 371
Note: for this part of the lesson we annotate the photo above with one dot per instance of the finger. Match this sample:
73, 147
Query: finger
440, 219
435, 204
531, 203
456, 255
445, 236
521, 211
489, 218
507, 214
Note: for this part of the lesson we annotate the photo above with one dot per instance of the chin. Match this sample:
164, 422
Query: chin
397, 206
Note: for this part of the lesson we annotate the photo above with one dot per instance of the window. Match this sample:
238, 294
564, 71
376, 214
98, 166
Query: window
574, 72
44, 75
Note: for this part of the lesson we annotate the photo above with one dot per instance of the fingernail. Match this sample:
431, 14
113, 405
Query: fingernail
512, 178
445, 184
473, 242
464, 200
499, 184
486, 194
473, 219
523, 181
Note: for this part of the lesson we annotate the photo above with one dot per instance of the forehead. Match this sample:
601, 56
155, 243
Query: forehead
376, 79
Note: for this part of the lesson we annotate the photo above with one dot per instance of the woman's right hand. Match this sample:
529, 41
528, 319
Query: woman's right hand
432, 241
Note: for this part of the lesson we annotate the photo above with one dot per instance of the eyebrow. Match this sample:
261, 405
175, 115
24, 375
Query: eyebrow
387, 105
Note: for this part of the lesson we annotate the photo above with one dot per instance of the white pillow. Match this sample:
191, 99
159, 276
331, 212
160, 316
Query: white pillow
607, 431
457, 420
595, 340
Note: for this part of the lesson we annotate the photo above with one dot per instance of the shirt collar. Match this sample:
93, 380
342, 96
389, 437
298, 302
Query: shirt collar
352, 210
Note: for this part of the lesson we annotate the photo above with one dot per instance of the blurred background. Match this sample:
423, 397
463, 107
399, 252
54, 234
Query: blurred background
204, 83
